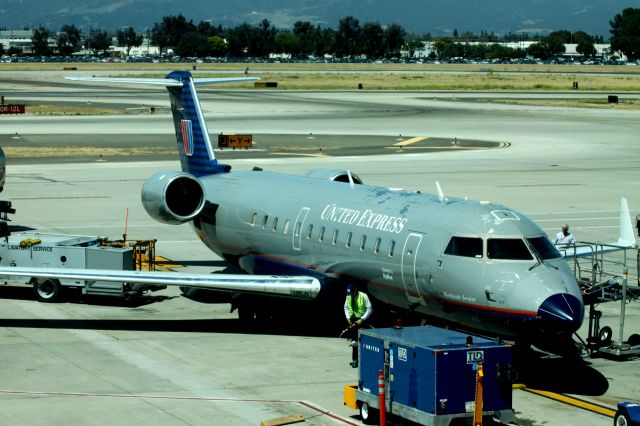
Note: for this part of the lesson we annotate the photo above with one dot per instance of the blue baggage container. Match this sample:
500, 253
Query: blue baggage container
431, 373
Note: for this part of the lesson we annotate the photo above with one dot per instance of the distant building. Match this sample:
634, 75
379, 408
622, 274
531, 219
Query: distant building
20, 39
145, 49
603, 50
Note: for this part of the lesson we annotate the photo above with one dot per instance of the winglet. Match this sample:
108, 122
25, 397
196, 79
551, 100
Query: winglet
627, 238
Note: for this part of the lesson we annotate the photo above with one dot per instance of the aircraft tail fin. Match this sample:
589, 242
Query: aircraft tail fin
194, 146
626, 238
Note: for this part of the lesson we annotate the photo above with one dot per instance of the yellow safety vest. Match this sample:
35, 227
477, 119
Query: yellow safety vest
360, 307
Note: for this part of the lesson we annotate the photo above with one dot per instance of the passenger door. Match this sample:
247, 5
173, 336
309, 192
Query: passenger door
410, 268
297, 228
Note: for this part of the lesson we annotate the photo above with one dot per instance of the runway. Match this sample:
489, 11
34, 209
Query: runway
173, 361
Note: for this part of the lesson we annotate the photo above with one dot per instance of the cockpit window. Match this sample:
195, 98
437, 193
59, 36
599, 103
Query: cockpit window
464, 246
507, 248
545, 249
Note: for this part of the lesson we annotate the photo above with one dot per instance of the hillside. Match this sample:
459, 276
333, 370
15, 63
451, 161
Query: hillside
418, 16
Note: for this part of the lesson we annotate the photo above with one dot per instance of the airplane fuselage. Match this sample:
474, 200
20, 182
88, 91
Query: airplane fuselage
479, 264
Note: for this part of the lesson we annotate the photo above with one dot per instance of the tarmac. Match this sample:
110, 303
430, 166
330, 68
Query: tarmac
169, 360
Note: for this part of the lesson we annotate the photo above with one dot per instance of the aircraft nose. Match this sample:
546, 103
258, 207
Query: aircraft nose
561, 314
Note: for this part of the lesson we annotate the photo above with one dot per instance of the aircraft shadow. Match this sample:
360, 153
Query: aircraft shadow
562, 375
170, 325
20, 228
213, 263
26, 293
227, 325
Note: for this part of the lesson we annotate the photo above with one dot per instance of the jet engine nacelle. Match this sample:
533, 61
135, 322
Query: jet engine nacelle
172, 197
337, 175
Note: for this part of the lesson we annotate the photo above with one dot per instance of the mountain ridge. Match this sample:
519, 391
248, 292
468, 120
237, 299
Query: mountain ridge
438, 17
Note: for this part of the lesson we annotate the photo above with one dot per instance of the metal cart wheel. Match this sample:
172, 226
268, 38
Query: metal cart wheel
368, 414
621, 419
605, 335
47, 290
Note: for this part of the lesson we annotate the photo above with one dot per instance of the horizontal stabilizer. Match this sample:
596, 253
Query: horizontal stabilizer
166, 82
297, 287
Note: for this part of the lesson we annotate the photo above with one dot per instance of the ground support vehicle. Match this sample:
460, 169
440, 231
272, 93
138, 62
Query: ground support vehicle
430, 375
76, 251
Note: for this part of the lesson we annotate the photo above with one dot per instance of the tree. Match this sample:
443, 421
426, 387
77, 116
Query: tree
348, 37
547, 47
325, 41
394, 38
206, 28
193, 44
40, 41
307, 37
625, 33
1, 49
68, 41
128, 38
217, 46
238, 40
584, 43
261, 39
564, 36
159, 37
373, 40
170, 31
441, 46
287, 42
99, 41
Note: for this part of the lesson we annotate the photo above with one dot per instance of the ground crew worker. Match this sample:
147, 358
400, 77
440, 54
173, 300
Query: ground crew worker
564, 238
357, 309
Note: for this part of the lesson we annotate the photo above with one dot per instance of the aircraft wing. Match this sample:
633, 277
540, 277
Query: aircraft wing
626, 239
296, 287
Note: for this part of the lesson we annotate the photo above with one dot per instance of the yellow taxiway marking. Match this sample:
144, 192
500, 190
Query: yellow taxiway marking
580, 403
410, 141
300, 155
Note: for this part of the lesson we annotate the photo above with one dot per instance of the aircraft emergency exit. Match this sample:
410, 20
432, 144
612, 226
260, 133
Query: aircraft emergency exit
483, 266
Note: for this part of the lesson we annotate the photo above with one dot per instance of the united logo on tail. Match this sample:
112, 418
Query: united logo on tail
187, 137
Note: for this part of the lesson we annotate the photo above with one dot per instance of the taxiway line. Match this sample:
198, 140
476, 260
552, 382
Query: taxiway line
410, 141
576, 402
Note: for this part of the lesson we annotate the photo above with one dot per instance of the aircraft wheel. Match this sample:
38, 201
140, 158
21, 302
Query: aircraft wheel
621, 419
47, 290
605, 335
368, 414
634, 340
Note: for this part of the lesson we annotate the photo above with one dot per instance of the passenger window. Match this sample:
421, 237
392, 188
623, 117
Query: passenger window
376, 246
349, 235
507, 249
275, 224
264, 221
321, 235
309, 231
363, 242
464, 246
254, 217
296, 230
392, 247
334, 240
286, 227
